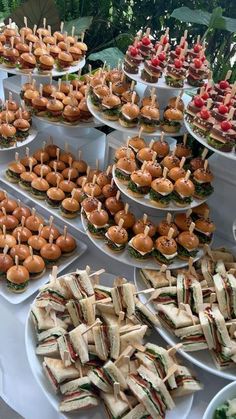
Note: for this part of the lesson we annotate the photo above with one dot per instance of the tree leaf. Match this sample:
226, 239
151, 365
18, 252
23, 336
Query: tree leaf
216, 17
81, 24
226, 23
184, 14
110, 55
35, 11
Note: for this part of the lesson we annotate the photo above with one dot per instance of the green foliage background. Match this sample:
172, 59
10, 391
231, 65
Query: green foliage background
116, 21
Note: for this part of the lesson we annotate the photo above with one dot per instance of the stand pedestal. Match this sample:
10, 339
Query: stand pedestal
223, 200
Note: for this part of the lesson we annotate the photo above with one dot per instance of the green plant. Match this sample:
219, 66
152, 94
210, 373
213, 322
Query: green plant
220, 37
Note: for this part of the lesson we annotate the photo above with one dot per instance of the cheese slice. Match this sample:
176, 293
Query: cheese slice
141, 253
170, 256
118, 245
232, 408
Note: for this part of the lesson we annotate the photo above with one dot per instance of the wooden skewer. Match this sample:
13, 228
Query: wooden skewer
99, 272
171, 351
96, 323
116, 389
171, 371
103, 301
121, 317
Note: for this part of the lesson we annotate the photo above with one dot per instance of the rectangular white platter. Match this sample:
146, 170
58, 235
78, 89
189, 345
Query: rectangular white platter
92, 145
64, 262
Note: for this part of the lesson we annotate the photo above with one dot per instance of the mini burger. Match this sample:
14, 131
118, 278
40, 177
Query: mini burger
202, 179
110, 107
140, 183
22, 127
109, 190
35, 265
116, 238
54, 109
161, 192
122, 152
98, 94
6, 262
71, 114
39, 187
51, 253
187, 245
127, 217
114, 204
67, 187
17, 278
42, 168
124, 167
204, 229
15, 169
92, 189
149, 118
85, 115
66, 243
39, 104
141, 224
136, 144
27, 62
46, 63
164, 227
55, 197
10, 57
89, 205
98, 223
172, 119
23, 233
145, 154
153, 168
9, 204
140, 246
36, 242
183, 192
200, 211
129, 115
162, 149
70, 208
53, 177
64, 60
20, 250
7, 135
183, 221
165, 250
26, 178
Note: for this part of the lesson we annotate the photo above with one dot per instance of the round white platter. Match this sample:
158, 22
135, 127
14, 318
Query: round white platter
183, 404
146, 202
202, 358
231, 155
32, 134
134, 131
54, 72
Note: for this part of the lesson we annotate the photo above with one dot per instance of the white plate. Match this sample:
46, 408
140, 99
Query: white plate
202, 358
146, 202
18, 144
91, 124
183, 405
73, 222
226, 393
54, 72
161, 84
89, 154
134, 131
34, 284
203, 141
124, 256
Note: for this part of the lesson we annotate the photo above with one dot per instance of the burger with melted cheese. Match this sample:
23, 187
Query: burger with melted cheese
116, 238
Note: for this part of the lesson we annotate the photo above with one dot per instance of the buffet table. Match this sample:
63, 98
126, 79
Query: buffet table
28, 400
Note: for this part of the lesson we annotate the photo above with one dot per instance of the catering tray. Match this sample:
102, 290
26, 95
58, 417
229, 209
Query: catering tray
202, 358
89, 153
54, 72
161, 84
203, 141
183, 404
125, 258
34, 284
134, 131
25, 142
146, 202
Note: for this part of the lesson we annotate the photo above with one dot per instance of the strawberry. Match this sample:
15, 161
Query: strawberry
133, 51
178, 50
225, 125
146, 41
224, 84
198, 101
178, 63
223, 109
155, 61
205, 114
162, 56
197, 48
197, 63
